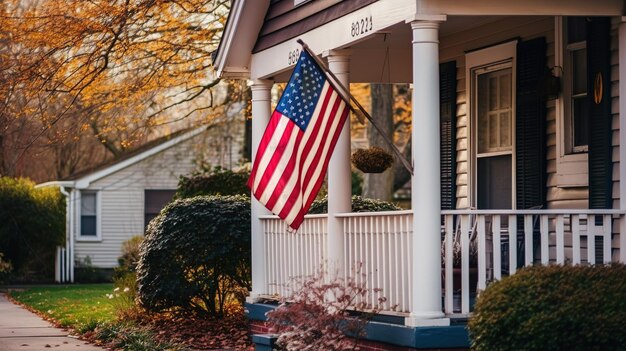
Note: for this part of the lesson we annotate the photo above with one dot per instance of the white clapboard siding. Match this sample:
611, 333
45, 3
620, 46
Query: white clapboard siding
122, 193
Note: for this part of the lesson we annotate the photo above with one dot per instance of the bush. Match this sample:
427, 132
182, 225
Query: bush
127, 262
324, 313
5, 269
217, 181
196, 256
359, 204
85, 272
33, 225
553, 308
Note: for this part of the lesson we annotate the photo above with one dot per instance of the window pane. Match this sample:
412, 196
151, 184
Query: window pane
493, 93
581, 121
483, 123
88, 225
88, 204
155, 200
505, 91
493, 131
494, 111
579, 72
505, 129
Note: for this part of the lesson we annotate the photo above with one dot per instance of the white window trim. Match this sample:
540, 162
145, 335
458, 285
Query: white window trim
98, 236
474, 61
571, 169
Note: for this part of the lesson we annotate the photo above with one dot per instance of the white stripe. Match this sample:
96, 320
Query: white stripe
320, 165
325, 148
269, 151
279, 170
297, 205
295, 177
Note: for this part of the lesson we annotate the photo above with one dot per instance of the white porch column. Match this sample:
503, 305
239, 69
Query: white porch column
261, 113
622, 138
426, 300
339, 176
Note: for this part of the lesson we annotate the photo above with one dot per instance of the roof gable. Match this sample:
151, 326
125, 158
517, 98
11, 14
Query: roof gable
84, 179
245, 19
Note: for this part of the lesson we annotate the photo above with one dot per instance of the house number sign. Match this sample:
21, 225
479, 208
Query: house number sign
293, 56
361, 26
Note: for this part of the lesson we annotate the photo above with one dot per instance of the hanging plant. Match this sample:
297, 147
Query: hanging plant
372, 160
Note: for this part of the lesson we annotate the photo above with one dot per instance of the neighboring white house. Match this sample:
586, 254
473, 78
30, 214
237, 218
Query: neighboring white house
111, 203
530, 168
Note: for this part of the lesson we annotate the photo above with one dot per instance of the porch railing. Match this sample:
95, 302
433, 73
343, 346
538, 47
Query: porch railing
478, 246
377, 251
498, 242
293, 254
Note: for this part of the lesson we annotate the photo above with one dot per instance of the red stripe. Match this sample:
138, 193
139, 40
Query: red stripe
287, 174
319, 148
314, 132
265, 140
276, 156
307, 202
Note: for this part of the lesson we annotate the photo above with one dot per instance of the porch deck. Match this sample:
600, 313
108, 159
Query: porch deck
475, 249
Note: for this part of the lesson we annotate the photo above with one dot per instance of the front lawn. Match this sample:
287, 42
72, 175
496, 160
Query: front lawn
93, 311
79, 306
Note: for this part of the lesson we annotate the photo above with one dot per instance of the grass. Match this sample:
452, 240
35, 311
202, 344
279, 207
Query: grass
87, 308
81, 306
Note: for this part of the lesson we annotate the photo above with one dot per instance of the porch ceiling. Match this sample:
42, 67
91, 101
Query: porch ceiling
368, 59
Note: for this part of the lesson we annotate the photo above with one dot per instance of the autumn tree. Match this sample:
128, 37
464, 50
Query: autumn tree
112, 69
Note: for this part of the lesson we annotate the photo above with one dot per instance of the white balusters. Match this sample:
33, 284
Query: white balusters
378, 249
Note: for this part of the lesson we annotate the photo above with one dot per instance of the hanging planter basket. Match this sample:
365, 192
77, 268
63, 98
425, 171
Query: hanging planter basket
372, 160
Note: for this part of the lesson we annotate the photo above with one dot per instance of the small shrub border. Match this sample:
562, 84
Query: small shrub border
195, 257
553, 308
359, 204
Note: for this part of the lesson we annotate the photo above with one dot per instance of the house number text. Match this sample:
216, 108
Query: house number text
293, 57
361, 26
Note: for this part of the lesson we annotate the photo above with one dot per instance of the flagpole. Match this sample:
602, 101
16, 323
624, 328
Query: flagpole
343, 91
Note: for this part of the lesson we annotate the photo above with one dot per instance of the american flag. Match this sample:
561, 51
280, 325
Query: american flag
293, 155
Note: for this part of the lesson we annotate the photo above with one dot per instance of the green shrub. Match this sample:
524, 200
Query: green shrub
359, 204
127, 262
125, 279
217, 181
5, 269
553, 308
33, 225
196, 256
85, 272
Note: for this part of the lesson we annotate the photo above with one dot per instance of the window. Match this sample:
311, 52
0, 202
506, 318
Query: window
154, 201
575, 102
494, 111
89, 214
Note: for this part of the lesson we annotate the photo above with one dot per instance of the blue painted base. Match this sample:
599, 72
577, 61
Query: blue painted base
390, 330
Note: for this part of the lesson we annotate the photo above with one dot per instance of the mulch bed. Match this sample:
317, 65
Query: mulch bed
229, 333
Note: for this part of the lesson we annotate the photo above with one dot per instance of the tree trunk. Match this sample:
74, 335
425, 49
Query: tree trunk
401, 176
380, 186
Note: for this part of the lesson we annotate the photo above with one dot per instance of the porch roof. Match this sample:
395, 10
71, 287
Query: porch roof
234, 56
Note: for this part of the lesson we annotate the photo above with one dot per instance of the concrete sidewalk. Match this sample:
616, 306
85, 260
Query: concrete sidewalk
21, 330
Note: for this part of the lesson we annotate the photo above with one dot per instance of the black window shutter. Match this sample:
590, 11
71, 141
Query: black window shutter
599, 95
530, 125
447, 105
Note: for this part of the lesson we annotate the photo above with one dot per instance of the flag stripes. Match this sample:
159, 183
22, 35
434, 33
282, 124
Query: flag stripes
291, 163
